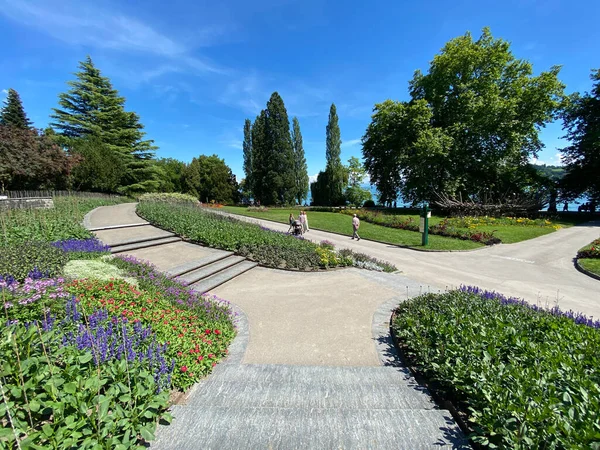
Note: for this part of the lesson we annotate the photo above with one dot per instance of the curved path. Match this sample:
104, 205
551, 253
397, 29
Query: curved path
539, 270
312, 365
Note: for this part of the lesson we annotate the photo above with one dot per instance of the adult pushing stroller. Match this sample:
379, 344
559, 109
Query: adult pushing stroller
296, 228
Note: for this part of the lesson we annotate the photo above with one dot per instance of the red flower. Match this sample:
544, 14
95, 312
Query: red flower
179, 353
184, 368
207, 331
180, 335
200, 358
217, 332
210, 355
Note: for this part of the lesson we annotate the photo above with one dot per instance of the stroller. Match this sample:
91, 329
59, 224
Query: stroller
296, 228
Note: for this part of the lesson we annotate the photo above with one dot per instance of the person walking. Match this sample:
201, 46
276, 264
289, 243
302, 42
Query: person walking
301, 220
305, 222
292, 221
355, 225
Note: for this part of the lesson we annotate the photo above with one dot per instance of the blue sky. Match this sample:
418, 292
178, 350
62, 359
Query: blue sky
194, 71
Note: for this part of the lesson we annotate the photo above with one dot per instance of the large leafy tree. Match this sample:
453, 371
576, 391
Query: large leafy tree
334, 168
582, 157
13, 113
100, 168
247, 149
93, 108
210, 179
472, 124
300, 168
355, 194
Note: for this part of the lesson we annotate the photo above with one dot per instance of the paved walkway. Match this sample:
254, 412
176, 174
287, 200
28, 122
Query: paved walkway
539, 270
312, 366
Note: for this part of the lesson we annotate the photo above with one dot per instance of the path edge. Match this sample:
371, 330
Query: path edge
580, 268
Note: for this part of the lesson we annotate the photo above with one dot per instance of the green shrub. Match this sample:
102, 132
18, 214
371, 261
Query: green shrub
171, 198
95, 270
19, 260
369, 204
527, 378
590, 251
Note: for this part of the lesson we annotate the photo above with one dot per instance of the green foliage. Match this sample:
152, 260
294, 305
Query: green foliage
357, 196
56, 397
590, 264
273, 155
528, 379
582, 123
12, 113
336, 174
590, 251
49, 225
171, 198
210, 179
471, 125
214, 230
319, 190
100, 168
20, 259
171, 174
31, 160
247, 149
95, 270
300, 168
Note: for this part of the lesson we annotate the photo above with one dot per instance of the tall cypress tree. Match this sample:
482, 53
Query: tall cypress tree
334, 168
259, 155
247, 149
93, 108
300, 169
12, 113
278, 182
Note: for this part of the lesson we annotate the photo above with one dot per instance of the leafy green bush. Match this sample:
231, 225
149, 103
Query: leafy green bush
369, 204
364, 261
214, 230
171, 198
61, 222
527, 378
590, 251
19, 260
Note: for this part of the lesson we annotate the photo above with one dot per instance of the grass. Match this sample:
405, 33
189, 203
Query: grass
590, 264
340, 223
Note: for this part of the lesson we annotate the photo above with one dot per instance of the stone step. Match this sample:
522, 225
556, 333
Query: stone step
210, 269
158, 234
238, 428
224, 276
197, 263
324, 375
144, 244
242, 394
117, 227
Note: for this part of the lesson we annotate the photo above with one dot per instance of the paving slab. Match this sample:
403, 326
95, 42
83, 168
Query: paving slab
309, 318
127, 235
166, 257
103, 216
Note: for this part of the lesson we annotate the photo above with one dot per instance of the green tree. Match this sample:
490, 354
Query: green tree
100, 168
12, 112
247, 149
92, 107
334, 168
172, 171
319, 189
471, 126
209, 178
300, 168
355, 194
582, 158
260, 154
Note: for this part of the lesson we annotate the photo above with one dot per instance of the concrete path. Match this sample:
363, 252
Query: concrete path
539, 270
312, 366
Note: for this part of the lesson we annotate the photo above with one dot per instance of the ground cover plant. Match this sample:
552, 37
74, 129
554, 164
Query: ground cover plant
171, 198
49, 225
342, 224
269, 248
525, 377
589, 257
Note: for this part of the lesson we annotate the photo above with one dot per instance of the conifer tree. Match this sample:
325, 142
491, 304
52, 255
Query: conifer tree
247, 149
335, 169
12, 112
259, 155
300, 169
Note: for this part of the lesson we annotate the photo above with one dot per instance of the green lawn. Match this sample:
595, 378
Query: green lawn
340, 223
590, 264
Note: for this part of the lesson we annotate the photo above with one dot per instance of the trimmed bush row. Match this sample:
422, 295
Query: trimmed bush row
526, 377
444, 228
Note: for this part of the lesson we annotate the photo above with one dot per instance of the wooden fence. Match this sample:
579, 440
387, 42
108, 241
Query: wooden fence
37, 194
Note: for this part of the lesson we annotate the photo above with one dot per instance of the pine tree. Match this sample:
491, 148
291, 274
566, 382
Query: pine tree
12, 113
247, 149
280, 162
259, 156
300, 169
334, 168
93, 108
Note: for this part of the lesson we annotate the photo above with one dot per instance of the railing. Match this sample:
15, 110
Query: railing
46, 194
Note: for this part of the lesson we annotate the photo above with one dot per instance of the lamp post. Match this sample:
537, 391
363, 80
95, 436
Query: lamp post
424, 224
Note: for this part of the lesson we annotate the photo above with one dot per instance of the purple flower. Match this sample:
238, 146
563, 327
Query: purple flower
81, 245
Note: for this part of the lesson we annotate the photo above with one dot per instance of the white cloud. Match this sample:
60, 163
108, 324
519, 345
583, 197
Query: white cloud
350, 143
312, 178
4, 91
83, 24
556, 160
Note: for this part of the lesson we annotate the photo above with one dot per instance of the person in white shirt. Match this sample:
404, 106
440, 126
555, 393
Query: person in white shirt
355, 225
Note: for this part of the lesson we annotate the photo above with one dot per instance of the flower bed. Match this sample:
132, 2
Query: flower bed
171, 198
590, 251
526, 377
